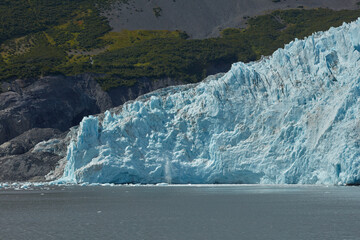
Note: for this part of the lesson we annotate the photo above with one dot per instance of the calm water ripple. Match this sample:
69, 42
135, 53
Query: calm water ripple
181, 212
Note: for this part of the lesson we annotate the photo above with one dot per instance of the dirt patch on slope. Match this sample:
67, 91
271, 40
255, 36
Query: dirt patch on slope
203, 18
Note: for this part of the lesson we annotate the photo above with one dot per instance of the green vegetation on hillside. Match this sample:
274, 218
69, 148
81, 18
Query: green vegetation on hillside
19, 17
169, 57
76, 39
38, 37
270, 32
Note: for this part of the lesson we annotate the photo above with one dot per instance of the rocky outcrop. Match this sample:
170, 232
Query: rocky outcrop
19, 161
27, 167
57, 102
26, 141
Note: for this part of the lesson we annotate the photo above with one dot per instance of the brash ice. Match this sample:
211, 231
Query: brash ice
292, 118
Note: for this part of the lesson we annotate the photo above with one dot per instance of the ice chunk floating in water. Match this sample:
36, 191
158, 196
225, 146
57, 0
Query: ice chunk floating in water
291, 118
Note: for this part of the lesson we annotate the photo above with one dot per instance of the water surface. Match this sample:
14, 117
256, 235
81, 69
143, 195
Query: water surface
181, 212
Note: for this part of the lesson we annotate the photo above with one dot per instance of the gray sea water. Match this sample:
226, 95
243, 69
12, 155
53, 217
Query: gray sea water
181, 212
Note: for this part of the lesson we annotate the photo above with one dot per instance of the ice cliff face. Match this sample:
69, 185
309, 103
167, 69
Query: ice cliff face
291, 118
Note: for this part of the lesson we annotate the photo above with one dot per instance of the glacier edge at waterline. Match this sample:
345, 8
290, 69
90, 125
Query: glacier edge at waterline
291, 118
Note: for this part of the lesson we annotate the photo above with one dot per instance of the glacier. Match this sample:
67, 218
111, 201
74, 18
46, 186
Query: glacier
291, 118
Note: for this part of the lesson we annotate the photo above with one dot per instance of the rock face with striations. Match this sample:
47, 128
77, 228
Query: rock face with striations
51, 102
19, 161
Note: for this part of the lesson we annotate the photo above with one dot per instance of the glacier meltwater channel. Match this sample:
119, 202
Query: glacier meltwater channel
291, 118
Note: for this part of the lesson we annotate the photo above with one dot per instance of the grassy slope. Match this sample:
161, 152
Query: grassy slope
71, 37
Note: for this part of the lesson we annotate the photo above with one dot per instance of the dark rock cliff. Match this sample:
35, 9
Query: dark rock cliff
51, 102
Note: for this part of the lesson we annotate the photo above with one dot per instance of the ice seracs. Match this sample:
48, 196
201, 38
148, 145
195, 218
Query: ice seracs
289, 118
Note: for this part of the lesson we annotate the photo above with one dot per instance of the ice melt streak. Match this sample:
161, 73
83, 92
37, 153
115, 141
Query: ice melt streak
293, 117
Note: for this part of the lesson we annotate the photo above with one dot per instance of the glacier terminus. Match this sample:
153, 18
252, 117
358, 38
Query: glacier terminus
291, 118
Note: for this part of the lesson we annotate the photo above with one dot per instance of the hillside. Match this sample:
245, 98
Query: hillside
204, 18
77, 37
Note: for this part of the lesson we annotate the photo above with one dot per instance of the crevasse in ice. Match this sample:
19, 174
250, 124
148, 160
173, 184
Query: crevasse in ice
293, 117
